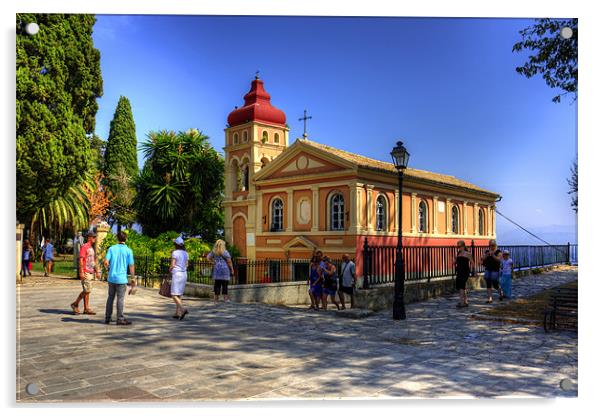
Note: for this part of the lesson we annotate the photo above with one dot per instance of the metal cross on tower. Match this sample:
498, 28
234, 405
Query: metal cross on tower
257, 74
305, 118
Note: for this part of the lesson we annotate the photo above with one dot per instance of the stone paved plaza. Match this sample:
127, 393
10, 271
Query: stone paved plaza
251, 351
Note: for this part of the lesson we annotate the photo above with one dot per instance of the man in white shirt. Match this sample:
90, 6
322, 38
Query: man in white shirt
347, 281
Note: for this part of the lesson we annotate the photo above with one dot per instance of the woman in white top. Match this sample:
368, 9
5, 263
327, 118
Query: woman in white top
178, 266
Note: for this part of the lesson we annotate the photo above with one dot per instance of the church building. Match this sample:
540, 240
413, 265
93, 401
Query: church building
286, 201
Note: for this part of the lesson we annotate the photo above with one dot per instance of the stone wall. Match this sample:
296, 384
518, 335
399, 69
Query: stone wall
289, 293
295, 293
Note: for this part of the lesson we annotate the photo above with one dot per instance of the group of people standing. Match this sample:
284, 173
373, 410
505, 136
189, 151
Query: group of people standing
119, 262
28, 257
324, 281
498, 272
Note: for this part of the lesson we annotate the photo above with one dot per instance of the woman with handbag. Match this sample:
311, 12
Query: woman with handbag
222, 269
177, 268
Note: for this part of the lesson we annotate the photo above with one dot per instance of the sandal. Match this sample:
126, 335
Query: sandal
75, 308
184, 314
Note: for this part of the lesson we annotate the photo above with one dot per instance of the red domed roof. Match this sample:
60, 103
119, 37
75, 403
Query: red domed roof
257, 108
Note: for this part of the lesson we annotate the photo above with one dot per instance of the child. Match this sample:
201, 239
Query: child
506, 272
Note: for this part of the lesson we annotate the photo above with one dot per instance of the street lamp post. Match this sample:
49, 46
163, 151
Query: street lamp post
400, 159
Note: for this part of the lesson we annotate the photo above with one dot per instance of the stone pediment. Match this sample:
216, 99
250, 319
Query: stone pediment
300, 242
299, 160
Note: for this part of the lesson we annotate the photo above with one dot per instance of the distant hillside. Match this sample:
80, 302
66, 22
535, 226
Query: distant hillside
508, 234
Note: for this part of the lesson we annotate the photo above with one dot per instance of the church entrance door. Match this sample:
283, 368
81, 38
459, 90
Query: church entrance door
239, 232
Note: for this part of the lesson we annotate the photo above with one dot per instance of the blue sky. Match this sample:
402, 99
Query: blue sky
447, 87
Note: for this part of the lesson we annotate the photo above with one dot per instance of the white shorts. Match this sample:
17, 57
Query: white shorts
178, 283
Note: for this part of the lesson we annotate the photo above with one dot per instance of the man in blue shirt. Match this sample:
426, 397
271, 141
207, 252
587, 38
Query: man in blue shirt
118, 260
48, 257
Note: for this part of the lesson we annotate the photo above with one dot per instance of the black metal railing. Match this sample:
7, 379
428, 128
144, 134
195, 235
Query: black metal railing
150, 269
426, 263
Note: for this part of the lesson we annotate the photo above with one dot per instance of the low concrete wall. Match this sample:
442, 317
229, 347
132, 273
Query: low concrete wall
378, 298
289, 293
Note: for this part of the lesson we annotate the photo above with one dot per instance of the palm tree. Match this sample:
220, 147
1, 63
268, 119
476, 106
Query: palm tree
68, 211
182, 175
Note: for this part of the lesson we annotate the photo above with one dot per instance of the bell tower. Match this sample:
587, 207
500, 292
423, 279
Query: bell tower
256, 134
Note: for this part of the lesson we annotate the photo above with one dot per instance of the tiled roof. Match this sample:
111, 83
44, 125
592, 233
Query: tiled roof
421, 175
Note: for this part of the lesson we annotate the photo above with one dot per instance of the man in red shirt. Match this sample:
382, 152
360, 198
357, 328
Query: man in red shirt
87, 269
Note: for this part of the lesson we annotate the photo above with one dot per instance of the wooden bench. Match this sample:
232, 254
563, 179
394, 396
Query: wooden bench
562, 310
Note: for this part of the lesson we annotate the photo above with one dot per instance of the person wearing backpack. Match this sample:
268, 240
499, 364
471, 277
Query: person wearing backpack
222, 269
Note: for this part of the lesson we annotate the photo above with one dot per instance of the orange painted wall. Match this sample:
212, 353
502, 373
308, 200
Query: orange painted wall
441, 220
297, 195
266, 211
470, 214
406, 213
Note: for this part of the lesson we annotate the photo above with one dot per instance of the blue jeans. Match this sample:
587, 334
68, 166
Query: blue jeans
119, 290
506, 283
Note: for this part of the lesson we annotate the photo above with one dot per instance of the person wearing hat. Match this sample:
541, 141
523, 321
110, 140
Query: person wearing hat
506, 272
177, 268
88, 268
118, 261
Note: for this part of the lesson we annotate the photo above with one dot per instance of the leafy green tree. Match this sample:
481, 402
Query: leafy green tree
58, 82
121, 163
98, 147
555, 57
181, 185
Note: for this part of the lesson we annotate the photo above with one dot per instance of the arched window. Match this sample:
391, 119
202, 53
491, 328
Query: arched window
455, 219
276, 138
381, 213
245, 136
245, 178
481, 222
277, 209
235, 138
235, 175
423, 217
337, 212
264, 137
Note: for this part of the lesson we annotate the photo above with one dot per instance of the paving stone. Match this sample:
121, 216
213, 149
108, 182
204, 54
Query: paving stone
258, 352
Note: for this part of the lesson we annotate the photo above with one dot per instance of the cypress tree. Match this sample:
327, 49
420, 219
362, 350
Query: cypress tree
121, 162
58, 82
